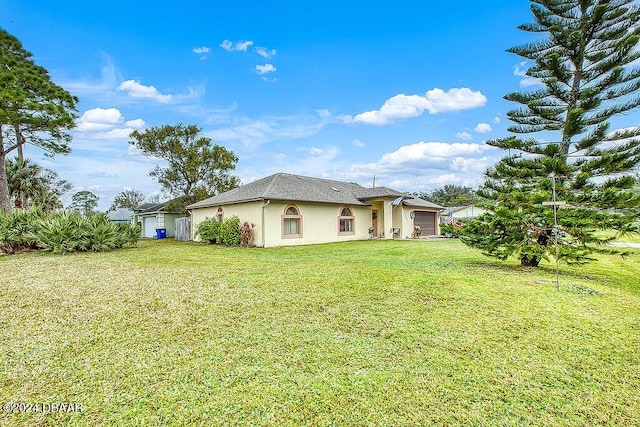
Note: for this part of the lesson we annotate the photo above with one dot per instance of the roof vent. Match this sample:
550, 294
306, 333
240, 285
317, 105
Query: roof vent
334, 189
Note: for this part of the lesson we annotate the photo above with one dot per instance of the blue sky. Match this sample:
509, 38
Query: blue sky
406, 91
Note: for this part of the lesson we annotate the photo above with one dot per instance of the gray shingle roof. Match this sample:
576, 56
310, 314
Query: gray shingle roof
373, 193
153, 207
149, 207
282, 186
421, 203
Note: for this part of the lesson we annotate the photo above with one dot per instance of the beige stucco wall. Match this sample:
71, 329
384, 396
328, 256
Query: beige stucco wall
319, 224
406, 222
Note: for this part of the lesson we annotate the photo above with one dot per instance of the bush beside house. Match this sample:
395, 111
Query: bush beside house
228, 232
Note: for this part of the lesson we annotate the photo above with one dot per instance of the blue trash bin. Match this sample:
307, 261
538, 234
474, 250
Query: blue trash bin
161, 233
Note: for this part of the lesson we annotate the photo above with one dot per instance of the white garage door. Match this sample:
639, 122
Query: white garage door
150, 225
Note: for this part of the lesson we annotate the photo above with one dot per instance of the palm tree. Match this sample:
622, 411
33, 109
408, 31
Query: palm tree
30, 183
24, 181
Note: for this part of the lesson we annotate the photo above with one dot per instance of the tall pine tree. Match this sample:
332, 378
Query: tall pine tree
588, 74
33, 109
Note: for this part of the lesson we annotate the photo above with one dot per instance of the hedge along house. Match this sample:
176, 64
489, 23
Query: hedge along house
154, 216
298, 210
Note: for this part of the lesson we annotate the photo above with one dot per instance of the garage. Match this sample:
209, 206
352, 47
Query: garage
150, 225
426, 221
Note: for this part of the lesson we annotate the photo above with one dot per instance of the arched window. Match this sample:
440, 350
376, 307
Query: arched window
291, 222
346, 222
220, 214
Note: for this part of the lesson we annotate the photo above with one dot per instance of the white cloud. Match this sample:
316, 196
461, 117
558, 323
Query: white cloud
201, 50
427, 151
97, 88
241, 46
264, 69
324, 113
464, 135
422, 166
455, 99
314, 151
99, 119
137, 123
483, 128
358, 143
136, 90
104, 124
497, 120
119, 133
253, 133
435, 101
264, 52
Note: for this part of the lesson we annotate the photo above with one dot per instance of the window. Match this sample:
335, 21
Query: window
346, 222
291, 223
220, 214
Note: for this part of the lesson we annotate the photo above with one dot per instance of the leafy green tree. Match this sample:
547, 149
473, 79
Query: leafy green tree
129, 199
84, 202
32, 185
587, 73
33, 109
196, 169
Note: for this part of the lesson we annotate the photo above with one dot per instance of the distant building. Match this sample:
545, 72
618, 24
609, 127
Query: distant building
121, 215
460, 213
154, 216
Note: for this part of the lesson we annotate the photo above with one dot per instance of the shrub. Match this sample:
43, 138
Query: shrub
62, 232
246, 234
230, 231
451, 230
209, 230
129, 234
16, 230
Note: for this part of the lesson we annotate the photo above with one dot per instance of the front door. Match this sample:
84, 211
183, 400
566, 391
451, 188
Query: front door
374, 222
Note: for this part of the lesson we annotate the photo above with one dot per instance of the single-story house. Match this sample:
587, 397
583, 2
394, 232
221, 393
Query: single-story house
299, 210
153, 216
460, 213
121, 215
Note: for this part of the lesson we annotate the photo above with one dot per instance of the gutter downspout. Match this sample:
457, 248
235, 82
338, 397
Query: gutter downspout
264, 205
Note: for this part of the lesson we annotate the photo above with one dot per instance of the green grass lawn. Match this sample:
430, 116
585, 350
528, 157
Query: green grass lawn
364, 333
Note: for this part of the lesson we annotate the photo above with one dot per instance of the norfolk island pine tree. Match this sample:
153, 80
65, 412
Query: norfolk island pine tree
587, 76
